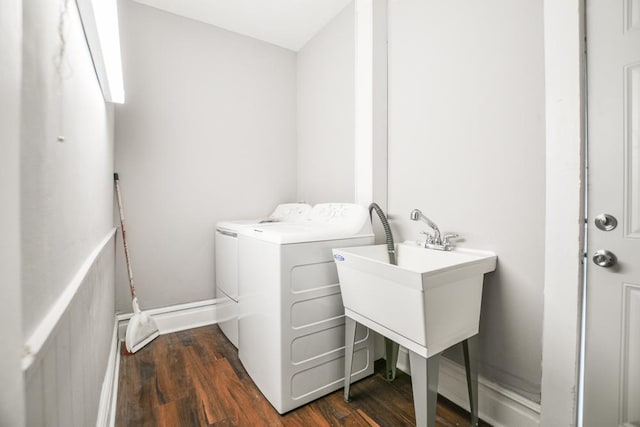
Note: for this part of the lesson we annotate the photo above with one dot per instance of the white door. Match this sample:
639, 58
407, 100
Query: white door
612, 358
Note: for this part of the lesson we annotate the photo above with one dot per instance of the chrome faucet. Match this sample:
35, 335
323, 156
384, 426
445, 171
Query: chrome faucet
434, 240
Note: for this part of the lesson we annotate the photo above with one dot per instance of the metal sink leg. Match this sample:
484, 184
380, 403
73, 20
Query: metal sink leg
424, 381
349, 341
391, 358
469, 347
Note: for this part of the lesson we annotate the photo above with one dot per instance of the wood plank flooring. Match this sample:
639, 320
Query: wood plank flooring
194, 378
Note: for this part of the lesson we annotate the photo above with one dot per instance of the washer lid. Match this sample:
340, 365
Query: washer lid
285, 212
236, 224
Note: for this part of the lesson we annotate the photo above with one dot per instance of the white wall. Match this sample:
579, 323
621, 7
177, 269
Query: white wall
12, 390
325, 119
207, 133
67, 223
66, 187
466, 146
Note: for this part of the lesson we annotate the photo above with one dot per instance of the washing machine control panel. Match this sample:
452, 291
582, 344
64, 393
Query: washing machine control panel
334, 213
325, 221
291, 212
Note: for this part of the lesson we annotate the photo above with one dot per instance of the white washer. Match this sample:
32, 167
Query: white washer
226, 261
291, 316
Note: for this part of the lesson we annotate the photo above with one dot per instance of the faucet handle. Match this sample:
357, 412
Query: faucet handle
430, 237
447, 236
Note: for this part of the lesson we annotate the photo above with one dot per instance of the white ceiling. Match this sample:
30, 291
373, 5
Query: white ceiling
286, 23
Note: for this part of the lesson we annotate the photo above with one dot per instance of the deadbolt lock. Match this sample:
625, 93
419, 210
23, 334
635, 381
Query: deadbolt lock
605, 222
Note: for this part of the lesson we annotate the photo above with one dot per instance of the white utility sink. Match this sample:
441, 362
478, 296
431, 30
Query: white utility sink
427, 303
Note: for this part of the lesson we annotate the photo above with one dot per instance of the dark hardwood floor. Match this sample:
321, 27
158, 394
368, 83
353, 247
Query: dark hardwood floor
194, 378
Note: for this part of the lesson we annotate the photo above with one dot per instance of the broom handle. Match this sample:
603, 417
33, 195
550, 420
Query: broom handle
124, 236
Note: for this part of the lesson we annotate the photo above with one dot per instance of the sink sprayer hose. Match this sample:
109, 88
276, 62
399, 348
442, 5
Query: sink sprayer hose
391, 348
391, 249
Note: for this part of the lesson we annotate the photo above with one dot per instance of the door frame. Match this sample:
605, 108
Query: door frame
565, 106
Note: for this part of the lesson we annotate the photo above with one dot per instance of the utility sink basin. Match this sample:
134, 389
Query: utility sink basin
427, 303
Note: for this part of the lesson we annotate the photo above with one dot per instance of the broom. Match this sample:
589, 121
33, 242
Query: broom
142, 329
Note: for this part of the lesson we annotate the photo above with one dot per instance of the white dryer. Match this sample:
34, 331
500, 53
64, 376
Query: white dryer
226, 261
291, 316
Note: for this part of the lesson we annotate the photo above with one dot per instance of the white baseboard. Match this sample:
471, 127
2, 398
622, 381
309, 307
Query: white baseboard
177, 317
109, 393
496, 405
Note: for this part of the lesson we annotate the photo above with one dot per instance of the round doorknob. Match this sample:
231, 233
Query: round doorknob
604, 258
